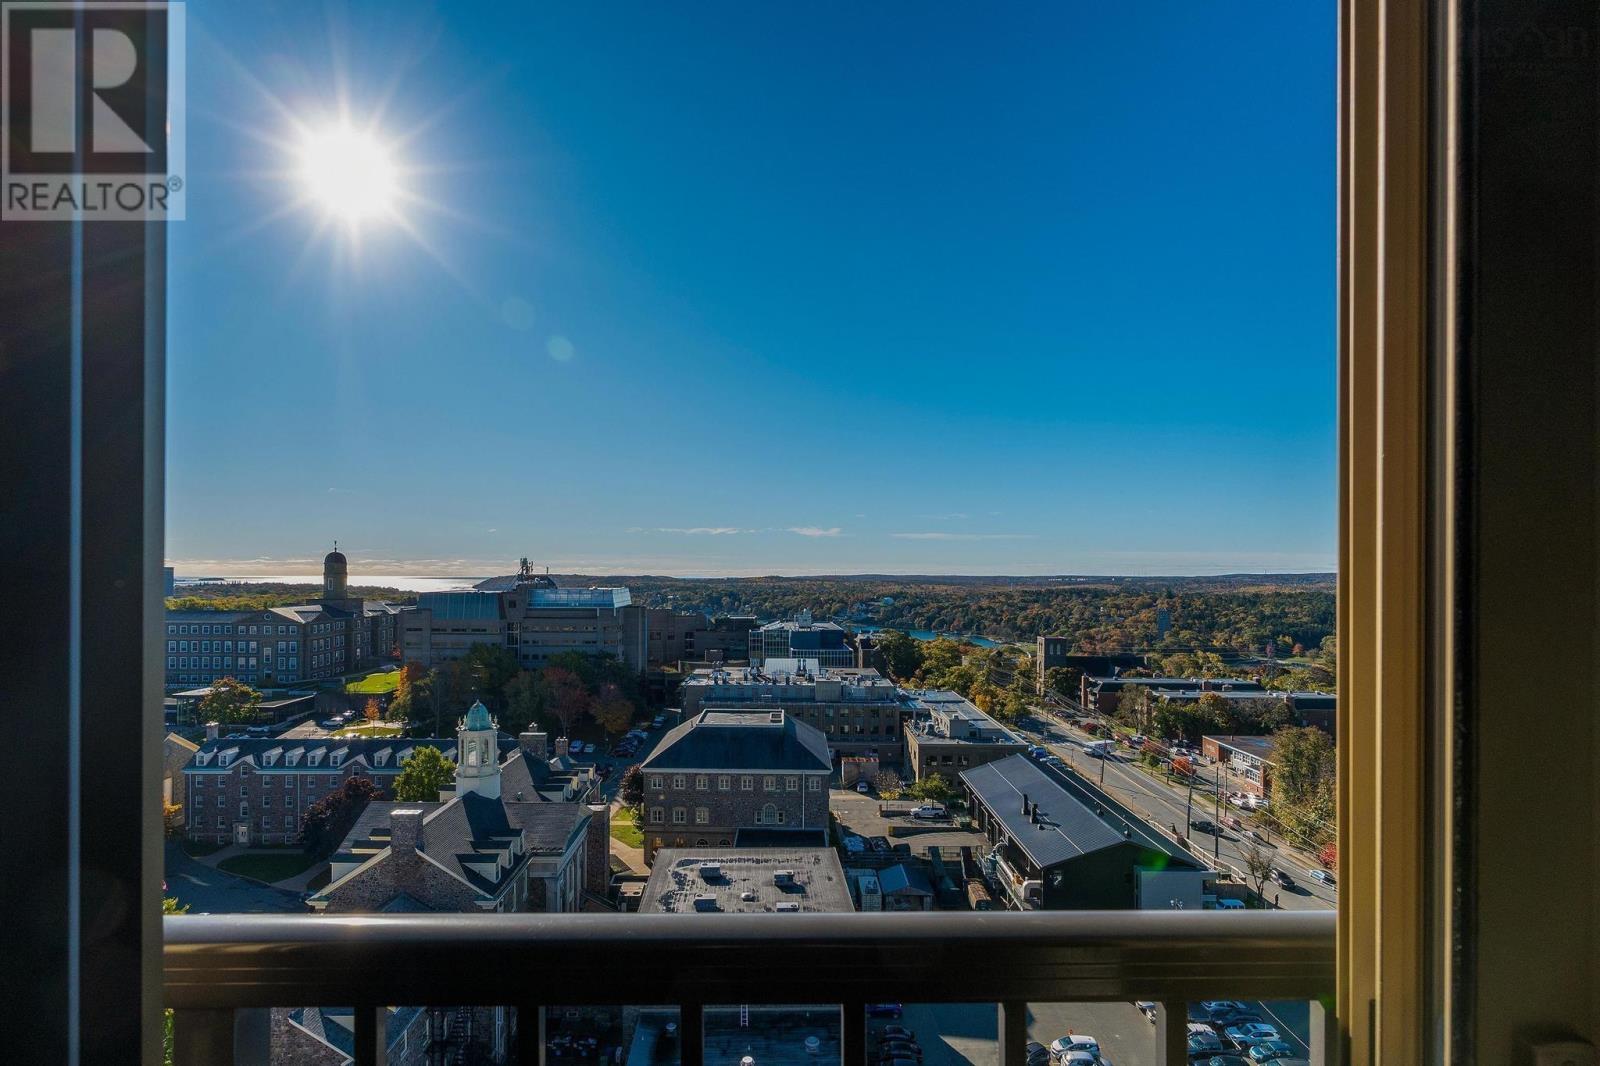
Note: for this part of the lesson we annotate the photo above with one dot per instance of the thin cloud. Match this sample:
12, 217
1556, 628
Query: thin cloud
695, 531
965, 536
951, 516
816, 531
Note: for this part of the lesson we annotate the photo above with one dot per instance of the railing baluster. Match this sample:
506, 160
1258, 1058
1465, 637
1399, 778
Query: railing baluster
853, 1020
1324, 1035
1013, 1029
202, 1037
1172, 1033
530, 1035
372, 1029
691, 1034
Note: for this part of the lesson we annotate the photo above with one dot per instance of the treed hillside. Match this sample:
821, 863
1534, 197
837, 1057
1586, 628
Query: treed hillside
1238, 614
1232, 614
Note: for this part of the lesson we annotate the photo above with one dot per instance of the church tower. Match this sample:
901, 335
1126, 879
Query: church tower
335, 576
478, 754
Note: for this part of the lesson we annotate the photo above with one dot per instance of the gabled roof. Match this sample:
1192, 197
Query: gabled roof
902, 880
732, 740
1066, 828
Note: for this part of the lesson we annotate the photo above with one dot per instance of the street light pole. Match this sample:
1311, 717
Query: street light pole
1216, 827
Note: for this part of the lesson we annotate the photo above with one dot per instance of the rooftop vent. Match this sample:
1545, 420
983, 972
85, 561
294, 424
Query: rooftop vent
775, 716
710, 871
787, 907
705, 903
783, 877
748, 896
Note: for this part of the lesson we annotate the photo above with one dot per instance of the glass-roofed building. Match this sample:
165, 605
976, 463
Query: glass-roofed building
531, 616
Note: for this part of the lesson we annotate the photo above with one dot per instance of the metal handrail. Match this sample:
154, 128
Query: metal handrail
231, 961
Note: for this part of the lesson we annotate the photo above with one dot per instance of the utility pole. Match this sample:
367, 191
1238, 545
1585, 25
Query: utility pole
1216, 828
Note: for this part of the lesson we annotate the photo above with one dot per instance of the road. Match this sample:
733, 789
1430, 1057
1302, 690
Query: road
1167, 806
207, 890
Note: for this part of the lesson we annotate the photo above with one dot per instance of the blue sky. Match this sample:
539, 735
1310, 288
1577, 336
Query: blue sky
762, 288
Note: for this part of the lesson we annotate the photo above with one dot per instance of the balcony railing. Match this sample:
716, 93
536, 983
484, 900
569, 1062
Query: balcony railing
220, 971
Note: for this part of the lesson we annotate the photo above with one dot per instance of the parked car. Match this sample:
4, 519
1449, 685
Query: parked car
1148, 1008
1054, 760
1225, 1058
883, 1010
1203, 825
1245, 1035
1061, 1048
1212, 1006
880, 845
1203, 1040
575, 748
1038, 1054
1322, 877
1037, 752
1233, 1016
900, 1049
1230, 904
1281, 877
658, 721
1269, 1051
899, 1060
863, 788
896, 1032
855, 845
930, 811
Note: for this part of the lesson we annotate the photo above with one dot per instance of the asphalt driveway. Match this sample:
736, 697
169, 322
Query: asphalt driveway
210, 891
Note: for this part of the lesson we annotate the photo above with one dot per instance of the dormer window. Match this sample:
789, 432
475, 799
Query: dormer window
202, 758
315, 758
293, 758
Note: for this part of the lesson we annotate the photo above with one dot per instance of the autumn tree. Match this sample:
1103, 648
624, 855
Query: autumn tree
613, 710
423, 775
230, 701
1258, 861
1304, 768
1133, 707
373, 711
327, 821
631, 791
568, 699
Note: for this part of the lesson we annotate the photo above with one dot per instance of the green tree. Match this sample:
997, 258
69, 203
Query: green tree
1063, 680
935, 787
423, 775
231, 702
1134, 707
1304, 768
489, 668
614, 713
568, 699
524, 702
902, 654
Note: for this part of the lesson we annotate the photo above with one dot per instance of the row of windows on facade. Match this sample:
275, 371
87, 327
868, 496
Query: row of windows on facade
246, 647
747, 783
239, 662
290, 822
226, 629
768, 815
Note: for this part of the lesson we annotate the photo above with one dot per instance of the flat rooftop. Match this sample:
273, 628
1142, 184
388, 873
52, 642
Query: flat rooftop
1260, 747
746, 881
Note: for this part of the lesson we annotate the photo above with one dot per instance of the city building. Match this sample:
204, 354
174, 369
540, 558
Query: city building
801, 638
1050, 850
168, 582
947, 734
503, 842
746, 881
722, 771
675, 637
1245, 763
257, 791
1052, 653
533, 617
858, 711
176, 752
337, 635
1100, 694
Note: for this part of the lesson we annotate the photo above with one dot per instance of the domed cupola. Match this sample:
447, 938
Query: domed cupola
478, 754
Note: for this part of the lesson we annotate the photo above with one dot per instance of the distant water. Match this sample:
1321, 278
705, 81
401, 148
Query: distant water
404, 582
928, 634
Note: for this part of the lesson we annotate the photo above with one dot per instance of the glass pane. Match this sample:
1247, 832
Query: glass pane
772, 1034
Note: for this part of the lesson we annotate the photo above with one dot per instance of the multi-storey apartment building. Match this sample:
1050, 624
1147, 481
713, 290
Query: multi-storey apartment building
533, 618
339, 634
801, 638
858, 711
722, 771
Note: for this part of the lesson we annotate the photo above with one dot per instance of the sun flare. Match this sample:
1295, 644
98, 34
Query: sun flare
349, 173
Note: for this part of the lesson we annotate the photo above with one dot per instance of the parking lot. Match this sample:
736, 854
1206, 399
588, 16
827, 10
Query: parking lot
859, 814
954, 1034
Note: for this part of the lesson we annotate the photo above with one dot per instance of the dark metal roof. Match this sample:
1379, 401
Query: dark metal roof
1066, 829
731, 740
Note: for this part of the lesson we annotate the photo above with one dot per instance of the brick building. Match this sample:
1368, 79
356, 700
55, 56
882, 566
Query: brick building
723, 771
947, 735
337, 635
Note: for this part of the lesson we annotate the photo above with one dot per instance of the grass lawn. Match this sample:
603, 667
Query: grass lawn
375, 684
624, 829
265, 864
199, 848
375, 729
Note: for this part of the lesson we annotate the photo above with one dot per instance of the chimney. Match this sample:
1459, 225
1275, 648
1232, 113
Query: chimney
561, 746
405, 830
598, 846
535, 745
1025, 810
213, 730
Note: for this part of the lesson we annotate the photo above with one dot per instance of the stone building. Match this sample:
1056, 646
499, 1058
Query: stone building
948, 735
723, 771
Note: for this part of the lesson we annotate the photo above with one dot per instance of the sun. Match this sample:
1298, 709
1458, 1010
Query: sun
349, 173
